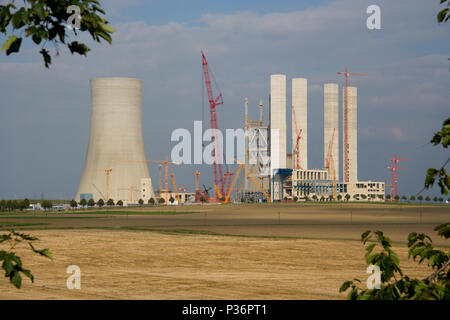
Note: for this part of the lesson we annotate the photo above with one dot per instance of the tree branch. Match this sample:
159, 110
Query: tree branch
432, 276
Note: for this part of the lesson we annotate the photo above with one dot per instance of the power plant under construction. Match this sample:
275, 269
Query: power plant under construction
116, 166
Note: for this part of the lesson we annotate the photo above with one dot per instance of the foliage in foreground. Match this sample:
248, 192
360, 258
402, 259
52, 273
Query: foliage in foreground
11, 263
44, 21
395, 285
441, 137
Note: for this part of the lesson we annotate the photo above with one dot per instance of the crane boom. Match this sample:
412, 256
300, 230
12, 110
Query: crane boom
213, 102
250, 174
174, 183
230, 191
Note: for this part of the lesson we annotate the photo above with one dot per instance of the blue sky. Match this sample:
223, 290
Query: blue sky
44, 114
157, 12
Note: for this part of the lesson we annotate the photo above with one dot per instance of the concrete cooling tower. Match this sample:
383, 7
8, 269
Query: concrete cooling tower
115, 164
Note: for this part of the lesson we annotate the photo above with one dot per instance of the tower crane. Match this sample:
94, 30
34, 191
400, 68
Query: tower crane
394, 175
107, 173
166, 164
174, 183
131, 188
297, 144
346, 144
196, 173
329, 164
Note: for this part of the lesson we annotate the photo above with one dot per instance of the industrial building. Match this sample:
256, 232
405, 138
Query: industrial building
289, 176
115, 138
116, 166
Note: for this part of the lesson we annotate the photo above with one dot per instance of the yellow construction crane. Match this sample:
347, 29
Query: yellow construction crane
230, 191
131, 189
166, 162
249, 174
108, 173
218, 191
196, 173
174, 183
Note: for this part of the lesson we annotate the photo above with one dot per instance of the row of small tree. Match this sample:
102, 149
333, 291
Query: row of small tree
347, 197
100, 203
13, 205
414, 198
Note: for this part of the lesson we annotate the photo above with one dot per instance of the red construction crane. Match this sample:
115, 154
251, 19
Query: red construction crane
391, 186
213, 102
346, 144
297, 145
228, 176
329, 164
394, 175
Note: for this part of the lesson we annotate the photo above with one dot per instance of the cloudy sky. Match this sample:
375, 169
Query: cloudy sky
44, 114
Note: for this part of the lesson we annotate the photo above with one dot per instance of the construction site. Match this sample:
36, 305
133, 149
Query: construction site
116, 166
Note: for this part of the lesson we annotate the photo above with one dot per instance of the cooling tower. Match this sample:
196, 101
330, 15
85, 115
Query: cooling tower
277, 121
352, 159
115, 137
300, 122
331, 124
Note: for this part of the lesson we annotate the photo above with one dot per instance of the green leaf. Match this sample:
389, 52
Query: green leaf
345, 286
441, 15
17, 19
46, 56
108, 28
443, 230
38, 9
28, 274
7, 265
96, 8
12, 44
77, 47
365, 236
16, 279
45, 252
370, 247
36, 38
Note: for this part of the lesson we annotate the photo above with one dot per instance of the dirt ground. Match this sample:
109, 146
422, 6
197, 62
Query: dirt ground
149, 265
214, 252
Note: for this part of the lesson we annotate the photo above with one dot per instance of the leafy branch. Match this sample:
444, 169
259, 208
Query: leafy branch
444, 14
394, 283
45, 21
12, 264
440, 137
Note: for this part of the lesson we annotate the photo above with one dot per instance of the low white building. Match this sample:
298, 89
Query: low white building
307, 183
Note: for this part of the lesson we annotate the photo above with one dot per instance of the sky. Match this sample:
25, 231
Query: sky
44, 113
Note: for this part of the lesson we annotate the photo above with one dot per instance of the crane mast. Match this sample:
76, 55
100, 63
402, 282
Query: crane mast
346, 133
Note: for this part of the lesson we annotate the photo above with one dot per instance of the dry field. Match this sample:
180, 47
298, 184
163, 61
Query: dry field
219, 252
